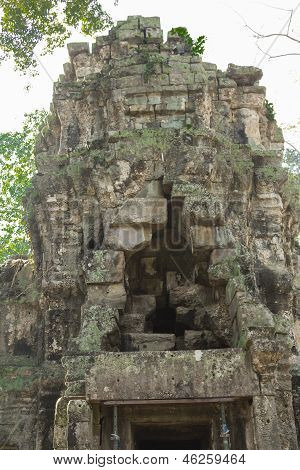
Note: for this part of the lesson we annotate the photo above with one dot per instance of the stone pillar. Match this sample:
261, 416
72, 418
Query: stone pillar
257, 331
80, 425
284, 405
60, 437
266, 423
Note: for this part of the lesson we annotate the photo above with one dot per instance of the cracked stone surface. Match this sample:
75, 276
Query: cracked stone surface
160, 243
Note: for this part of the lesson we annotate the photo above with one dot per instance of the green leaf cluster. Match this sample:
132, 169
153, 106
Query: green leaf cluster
197, 47
24, 24
17, 167
270, 112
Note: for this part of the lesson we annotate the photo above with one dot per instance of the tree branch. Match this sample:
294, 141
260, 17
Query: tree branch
266, 53
293, 146
263, 36
283, 55
281, 34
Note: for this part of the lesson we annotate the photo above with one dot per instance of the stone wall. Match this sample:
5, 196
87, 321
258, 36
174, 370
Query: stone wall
158, 223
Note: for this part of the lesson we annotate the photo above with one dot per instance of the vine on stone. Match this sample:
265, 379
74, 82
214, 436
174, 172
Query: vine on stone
197, 47
270, 113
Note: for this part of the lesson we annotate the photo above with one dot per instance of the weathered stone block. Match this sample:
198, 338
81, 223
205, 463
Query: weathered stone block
198, 68
172, 374
227, 94
233, 287
247, 126
132, 22
177, 122
99, 331
159, 80
133, 35
133, 323
190, 296
200, 206
266, 423
192, 318
143, 304
137, 109
129, 82
154, 98
137, 100
150, 211
181, 78
110, 294
275, 280
153, 35
226, 82
248, 100
244, 75
75, 48
128, 238
105, 267
211, 237
60, 438
204, 339
252, 315
219, 255
176, 67
200, 78
149, 342
173, 103
128, 71
150, 22
80, 432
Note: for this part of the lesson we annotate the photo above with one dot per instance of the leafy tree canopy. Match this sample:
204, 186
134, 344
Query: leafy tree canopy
17, 167
24, 24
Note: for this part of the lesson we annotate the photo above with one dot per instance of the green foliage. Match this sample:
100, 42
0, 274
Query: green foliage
25, 24
291, 160
292, 186
197, 47
17, 167
137, 141
152, 60
270, 113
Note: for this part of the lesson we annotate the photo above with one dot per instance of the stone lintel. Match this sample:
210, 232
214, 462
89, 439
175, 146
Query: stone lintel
167, 375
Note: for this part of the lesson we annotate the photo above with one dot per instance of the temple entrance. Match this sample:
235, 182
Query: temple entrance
172, 437
177, 425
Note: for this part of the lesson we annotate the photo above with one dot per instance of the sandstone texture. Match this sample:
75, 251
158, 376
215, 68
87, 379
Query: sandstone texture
166, 267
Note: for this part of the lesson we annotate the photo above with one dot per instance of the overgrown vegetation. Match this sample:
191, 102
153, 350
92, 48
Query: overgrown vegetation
25, 24
270, 112
292, 186
197, 47
152, 61
17, 166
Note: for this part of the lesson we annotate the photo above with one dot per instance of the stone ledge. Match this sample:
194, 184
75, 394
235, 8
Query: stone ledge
170, 375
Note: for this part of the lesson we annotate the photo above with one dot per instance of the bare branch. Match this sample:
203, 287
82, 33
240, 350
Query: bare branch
286, 26
266, 53
273, 7
283, 55
289, 25
263, 36
293, 146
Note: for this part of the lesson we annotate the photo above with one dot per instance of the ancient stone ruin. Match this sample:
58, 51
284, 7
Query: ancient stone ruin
162, 307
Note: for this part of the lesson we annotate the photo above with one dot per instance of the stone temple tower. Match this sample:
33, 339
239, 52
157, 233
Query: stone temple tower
161, 309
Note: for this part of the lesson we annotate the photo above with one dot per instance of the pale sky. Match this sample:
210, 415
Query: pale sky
222, 21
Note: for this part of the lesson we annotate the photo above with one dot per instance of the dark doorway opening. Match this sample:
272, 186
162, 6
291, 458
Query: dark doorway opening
169, 437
